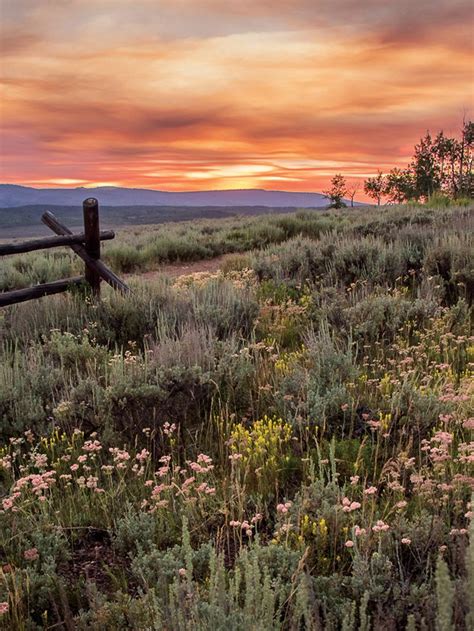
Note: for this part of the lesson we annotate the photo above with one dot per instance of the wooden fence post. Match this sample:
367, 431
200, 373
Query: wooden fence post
92, 241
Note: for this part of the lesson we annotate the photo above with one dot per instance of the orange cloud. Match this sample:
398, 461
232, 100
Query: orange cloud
205, 95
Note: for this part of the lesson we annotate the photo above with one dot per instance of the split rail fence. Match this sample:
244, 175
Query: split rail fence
86, 245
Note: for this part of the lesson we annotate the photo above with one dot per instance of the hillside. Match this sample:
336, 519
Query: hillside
12, 195
25, 221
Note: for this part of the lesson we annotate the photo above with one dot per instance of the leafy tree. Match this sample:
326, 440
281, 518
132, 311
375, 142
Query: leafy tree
400, 186
375, 187
466, 160
337, 191
426, 168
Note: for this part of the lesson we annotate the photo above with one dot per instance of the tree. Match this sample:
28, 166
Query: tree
337, 191
466, 160
400, 186
426, 168
375, 187
352, 190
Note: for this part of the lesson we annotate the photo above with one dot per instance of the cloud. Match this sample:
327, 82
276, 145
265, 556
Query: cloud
109, 90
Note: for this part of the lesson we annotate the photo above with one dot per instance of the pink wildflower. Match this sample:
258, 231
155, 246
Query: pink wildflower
371, 490
380, 526
92, 446
349, 544
31, 554
143, 455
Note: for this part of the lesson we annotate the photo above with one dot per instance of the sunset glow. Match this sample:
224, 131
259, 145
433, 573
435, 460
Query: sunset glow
212, 94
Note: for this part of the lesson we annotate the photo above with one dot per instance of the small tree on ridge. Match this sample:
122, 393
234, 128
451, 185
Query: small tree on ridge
337, 191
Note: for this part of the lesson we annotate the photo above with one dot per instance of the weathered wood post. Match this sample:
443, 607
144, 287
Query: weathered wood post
92, 241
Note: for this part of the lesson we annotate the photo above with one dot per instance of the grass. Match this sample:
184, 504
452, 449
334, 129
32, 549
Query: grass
144, 248
284, 444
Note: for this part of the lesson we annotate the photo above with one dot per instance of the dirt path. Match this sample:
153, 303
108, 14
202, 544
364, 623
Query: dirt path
183, 269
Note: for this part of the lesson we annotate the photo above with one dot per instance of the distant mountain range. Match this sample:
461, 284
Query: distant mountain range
12, 196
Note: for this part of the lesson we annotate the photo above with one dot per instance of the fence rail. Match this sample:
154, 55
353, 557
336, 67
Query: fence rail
86, 245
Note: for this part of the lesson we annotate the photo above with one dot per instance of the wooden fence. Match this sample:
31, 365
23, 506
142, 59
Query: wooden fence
86, 245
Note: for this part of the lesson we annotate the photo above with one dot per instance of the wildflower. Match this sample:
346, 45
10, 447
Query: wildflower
234, 457
119, 454
401, 504
380, 526
143, 455
349, 544
31, 554
469, 423
406, 541
354, 479
92, 446
371, 490
202, 458
358, 531
348, 506
91, 482
283, 508
182, 571
3, 608
169, 429
39, 460
7, 503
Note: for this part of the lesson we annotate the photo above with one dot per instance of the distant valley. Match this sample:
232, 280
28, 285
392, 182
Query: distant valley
21, 207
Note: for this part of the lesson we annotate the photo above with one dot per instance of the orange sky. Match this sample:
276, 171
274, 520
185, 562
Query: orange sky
204, 94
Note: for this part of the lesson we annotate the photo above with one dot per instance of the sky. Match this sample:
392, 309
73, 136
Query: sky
222, 94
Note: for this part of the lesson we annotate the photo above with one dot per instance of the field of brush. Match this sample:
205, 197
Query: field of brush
285, 443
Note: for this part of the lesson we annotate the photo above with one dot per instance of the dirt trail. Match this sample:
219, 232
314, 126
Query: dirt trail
183, 269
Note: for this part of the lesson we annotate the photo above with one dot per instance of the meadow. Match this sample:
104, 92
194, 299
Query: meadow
284, 444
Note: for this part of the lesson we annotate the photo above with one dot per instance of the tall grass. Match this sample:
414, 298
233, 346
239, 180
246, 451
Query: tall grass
148, 247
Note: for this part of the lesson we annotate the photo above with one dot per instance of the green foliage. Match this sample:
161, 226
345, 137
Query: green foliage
284, 444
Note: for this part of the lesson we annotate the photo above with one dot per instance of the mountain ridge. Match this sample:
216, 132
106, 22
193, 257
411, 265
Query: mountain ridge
14, 195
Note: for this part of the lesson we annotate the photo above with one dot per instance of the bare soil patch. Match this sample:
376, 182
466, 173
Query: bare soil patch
184, 269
